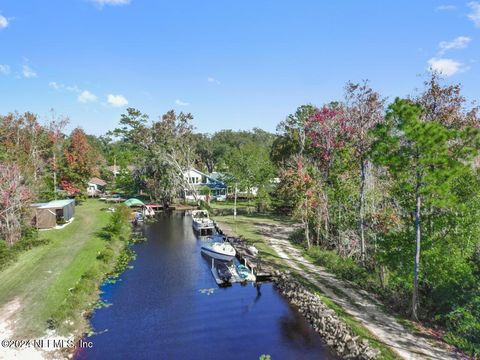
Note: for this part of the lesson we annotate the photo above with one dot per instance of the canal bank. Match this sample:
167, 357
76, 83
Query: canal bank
363, 314
48, 291
169, 306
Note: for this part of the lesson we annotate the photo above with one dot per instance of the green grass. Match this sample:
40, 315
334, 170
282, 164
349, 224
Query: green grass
244, 226
229, 204
41, 278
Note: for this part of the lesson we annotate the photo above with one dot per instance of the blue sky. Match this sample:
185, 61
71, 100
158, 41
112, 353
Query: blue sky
233, 64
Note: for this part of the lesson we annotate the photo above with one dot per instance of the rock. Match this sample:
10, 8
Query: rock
324, 321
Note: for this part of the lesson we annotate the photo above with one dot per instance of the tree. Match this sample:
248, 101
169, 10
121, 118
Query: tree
292, 139
327, 132
424, 163
14, 197
56, 141
364, 111
299, 186
445, 104
249, 166
79, 158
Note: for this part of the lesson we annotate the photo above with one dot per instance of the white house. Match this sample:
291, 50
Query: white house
95, 186
198, 180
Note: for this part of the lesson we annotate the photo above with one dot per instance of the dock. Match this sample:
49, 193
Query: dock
262, 271
236, 278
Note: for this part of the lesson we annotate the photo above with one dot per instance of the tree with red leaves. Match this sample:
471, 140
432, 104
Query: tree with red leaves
79, 159
327, 132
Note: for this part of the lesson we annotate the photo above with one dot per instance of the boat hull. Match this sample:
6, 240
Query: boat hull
217, 255
201, 227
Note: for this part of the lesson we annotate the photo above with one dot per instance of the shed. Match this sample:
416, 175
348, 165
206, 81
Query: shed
48, 215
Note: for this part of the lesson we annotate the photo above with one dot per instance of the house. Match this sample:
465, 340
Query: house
96, 186
199, 180
52, 214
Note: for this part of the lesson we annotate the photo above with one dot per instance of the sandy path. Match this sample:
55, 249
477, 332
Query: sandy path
357, 303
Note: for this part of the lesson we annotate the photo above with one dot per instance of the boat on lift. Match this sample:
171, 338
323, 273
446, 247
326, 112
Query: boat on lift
223, 272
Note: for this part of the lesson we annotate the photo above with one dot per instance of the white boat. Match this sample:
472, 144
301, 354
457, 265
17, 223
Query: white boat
201, 221
148, 211
218, 250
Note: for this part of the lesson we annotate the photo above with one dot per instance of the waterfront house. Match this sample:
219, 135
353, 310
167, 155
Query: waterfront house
199, 180
96, 186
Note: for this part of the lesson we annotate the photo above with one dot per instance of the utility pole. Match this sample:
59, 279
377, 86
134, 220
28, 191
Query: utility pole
235, 203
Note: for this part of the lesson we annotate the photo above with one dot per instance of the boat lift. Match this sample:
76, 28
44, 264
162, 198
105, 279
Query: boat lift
236, 278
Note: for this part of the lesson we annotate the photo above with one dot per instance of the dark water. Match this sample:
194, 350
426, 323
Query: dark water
160, 312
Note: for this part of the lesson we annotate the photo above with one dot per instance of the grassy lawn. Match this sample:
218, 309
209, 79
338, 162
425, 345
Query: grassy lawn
229, 204
42, 277
244, 226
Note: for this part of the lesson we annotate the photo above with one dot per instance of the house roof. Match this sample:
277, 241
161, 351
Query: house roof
54, 204
213, 177
97, 181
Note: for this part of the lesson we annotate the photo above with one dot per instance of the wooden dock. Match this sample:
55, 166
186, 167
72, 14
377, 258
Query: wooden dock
261, 271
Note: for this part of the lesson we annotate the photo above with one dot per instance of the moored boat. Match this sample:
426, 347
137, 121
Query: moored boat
218, 250
223, 272
243, 271
201, 222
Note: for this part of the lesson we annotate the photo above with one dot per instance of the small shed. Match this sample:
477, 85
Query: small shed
48, 215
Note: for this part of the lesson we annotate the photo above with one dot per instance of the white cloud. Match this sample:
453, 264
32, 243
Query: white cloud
213, 80
61, 87
446, 8
86, 96
28, 72
117, 100
111, 2
475, 14
460, 42
4, 69
55, 85
3, 22
73, 88
447, 67
181, 103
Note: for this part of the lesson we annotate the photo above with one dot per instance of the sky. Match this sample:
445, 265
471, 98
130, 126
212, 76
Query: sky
232, 64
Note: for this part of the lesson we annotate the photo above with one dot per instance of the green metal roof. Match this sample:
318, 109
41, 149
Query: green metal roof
133, 202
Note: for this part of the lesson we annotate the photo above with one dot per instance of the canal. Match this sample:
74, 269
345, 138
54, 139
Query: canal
169, 307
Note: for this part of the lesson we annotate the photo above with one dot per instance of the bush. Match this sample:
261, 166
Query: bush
463, 327
29, 240
119, 220
5, 254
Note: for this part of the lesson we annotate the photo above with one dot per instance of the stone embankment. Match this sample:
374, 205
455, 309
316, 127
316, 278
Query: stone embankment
333, 330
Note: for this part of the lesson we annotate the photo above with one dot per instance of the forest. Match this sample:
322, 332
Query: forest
387, 191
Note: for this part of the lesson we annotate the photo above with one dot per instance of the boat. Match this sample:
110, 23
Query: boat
243, 271
223, 272
138, 216
218, 250
148, 211
201, 222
